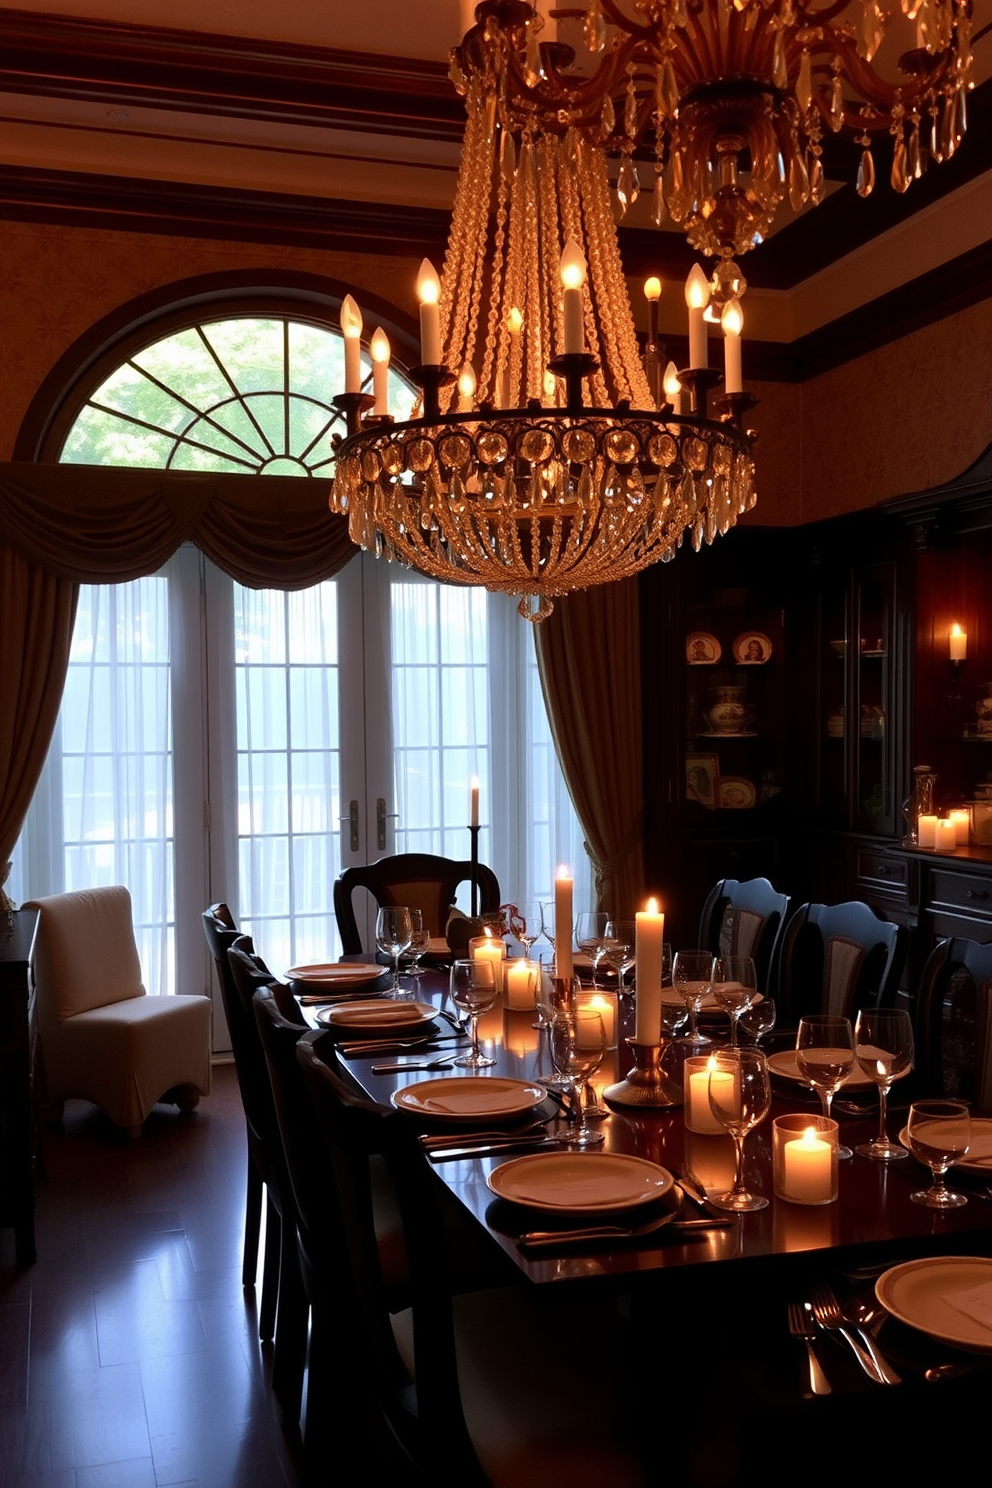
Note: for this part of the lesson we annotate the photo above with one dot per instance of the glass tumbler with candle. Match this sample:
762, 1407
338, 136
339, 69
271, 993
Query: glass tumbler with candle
804, 1158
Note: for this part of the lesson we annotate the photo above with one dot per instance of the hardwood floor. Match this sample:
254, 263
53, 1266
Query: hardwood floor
129, 1353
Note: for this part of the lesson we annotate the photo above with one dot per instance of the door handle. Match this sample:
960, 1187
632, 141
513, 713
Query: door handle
381, 818
352, 817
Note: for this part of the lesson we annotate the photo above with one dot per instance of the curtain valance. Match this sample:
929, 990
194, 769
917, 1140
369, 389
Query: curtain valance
96, 524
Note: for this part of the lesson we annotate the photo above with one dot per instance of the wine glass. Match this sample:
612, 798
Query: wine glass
548, 924
883, 1045
692, 978
759, 1019
473, 990
618, 948
578, 1043
939, 1134
526, 924
419, 944
393, 936
590, 936
740, 1095
735, 983
825, 1056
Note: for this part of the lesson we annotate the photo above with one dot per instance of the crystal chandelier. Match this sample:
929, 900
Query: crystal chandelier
545, 457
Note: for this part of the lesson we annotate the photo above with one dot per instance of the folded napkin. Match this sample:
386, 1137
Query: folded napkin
477, 1104
975, 1303
571, 1191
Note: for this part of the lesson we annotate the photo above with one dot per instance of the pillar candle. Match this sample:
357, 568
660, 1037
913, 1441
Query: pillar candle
488, 948
647, 963
807, 1169
563, 924
926, 830
945, 835
958, 641
696, 1084
605, 1005
962, 825
522, 980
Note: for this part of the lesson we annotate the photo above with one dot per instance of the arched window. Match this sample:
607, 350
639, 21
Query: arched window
217, 742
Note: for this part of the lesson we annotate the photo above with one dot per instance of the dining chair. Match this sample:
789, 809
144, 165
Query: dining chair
419, 880
102, 1037
221, 932
746, 919
954, 1023
838, 958
283, 1296
463, 1383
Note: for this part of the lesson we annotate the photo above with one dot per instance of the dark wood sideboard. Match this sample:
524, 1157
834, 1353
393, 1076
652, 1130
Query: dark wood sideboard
18, 1062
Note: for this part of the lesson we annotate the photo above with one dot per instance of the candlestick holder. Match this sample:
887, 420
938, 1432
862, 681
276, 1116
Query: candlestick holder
646, 1084
697, 382
473, 833
954, 667
353, 405
731, 408
432, 380
573, 366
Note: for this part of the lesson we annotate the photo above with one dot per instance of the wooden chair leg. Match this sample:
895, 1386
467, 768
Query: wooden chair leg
289, 1353
253, 1225
270, 1273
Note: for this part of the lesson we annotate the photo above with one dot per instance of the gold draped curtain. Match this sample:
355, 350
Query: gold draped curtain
588, 653
66, 525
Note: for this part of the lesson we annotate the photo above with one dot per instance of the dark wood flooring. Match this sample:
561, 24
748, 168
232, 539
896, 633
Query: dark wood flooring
129, 1354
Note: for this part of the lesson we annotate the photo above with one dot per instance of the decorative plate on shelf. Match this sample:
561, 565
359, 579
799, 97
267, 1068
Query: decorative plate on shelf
702, 649
752, 648
735, 793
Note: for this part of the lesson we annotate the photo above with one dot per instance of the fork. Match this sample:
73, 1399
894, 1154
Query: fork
827, 1311
415, 1064
801, 1325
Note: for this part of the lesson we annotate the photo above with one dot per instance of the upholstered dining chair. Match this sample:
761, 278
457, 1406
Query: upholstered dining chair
420, 880
103, 1038
746, 919
954, 1024
838, 958
283, 1291
462, 1383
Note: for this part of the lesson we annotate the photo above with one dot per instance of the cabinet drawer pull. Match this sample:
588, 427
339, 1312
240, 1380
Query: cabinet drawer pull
976, 893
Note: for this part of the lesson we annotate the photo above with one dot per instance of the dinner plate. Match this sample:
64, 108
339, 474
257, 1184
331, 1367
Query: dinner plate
709, 1003
380, 1016
979, 1158
929, 1294
336, 973
784, 1064
468, 1098
579, 1182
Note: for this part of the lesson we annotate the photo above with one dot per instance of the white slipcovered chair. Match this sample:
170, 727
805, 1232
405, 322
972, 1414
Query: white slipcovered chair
103, 1039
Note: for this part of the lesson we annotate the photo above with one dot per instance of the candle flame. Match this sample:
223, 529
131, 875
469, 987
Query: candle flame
428, 284
652, 906
572, 266
351, 317
652, 288
379, 346
697, 289
562, 871
732, 319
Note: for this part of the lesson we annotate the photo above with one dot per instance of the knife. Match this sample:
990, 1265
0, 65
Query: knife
492, 1149
698, 1197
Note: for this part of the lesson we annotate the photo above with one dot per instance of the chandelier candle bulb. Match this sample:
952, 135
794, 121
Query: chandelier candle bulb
732, 321
351, 329
379, 347
649, 940
958, 642
652, 293
673, 388
573, 275
697, 295
514, 325
466, 388
563, 923
429, 293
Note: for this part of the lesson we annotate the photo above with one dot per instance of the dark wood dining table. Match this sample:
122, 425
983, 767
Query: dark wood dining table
872, 1219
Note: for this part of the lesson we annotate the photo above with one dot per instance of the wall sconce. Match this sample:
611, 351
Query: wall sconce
957, 646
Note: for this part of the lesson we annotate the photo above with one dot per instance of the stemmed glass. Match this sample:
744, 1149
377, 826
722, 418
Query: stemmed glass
548, 924
692, 978
578, 1043
740, 1097
618, 948
419, 944
393, 936
939, 1134
473, 990
883, 1044
527, 924
759, 1019
735, 984
825, 1056
590, 936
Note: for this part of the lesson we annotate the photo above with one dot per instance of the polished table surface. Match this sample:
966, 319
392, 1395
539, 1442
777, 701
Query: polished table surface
873, 1216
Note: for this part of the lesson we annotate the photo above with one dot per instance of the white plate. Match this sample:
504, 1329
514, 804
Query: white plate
918, 1293
979, 1158
784, 1064
579, 1182
468, 1098
336, 974
381, 1016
